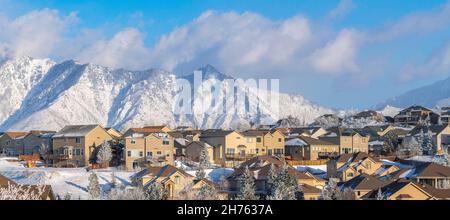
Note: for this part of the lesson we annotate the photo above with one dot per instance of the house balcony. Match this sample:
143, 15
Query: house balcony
239, 157
324, 155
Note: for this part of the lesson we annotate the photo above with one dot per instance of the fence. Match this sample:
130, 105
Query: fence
307, 162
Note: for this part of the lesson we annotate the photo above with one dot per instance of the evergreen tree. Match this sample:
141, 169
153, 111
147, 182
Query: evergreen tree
206, 192
331, 191
380, 195
113, 179
94, 186
104, 154
271, 178
285, 185
156, 191
203, 163
247, 185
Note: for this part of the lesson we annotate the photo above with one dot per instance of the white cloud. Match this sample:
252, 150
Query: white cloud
124, 50
38, 33
344, 7
233, 40
338, 55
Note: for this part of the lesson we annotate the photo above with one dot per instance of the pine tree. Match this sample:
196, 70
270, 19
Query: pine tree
380, 195
331, 191
285, 186
156, 191
271, 178
94, 186
247, 185
206, 192
203, 163
104, 154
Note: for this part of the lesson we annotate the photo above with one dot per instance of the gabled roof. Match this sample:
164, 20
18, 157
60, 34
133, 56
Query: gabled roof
313, 141
355, 157
363, 182
307, 189
255, 133
415, 108
394, 187
305, 130
215, 133
432, 170
159, 172
75, 131
15, 135
201, 143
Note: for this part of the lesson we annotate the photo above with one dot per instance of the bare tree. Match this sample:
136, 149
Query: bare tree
21, 192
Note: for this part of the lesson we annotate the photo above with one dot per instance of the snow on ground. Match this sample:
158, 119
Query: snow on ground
75, 181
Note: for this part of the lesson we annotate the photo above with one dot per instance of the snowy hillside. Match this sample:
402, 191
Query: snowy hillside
431, 96
45, 95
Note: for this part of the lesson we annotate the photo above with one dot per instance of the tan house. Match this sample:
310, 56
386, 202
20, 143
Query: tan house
234, 148
349, 140
146, 148
267, 142
74, 145
148, 129
348, 166
173, 179
163, 128
402, 190
307, 148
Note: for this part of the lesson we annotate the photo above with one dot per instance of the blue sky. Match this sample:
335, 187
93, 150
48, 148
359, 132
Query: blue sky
338, 53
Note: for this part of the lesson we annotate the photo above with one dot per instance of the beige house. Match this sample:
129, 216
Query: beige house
173, 179
403, 190
143, 149
307, 148
362, 185
233, 147
114, 133
267, 142
348, 166
416, 115
349, 140
74, 145
148, 129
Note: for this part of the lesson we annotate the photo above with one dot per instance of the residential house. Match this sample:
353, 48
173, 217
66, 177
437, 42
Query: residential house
34, 140
267, 142
182, 139
173, 179
234, 148
163, 128
143, 148
307, 148
349, 140
74, 145
11, 143
194, 149
402, 190
415, 115
369, 115
362, 184
445, 115
348, 166
148, 129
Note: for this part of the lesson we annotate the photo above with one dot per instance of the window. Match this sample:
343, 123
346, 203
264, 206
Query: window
158, 153
279, 140
150, 154
129, 153
77, 140
258, 139
359, 193
349, 174
166, 142
257, 150
77, 152
8, 142
230, 151
177, 179
141, 153
133, 141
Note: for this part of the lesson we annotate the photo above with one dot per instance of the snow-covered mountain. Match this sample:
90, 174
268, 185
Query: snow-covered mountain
432, 96
42, 94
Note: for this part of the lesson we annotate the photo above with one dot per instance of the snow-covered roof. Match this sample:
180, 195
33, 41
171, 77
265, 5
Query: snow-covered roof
296, 142
74, 131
